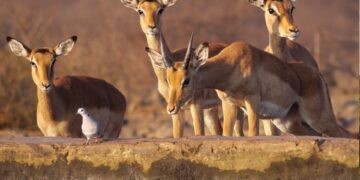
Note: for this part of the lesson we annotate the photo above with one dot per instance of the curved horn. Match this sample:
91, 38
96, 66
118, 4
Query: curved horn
166, 60
188, 52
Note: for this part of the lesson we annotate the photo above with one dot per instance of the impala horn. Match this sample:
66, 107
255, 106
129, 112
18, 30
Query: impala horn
167, 61
188, 52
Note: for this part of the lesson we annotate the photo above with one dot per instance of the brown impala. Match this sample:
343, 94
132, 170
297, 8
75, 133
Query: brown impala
60, 98
204, 106
282, 33
259, 82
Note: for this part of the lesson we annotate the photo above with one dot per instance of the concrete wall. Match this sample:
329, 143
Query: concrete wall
187, 158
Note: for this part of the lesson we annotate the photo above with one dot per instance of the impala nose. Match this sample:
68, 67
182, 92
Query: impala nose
294, 30
171, 109
153, 30
46, 85
152, 26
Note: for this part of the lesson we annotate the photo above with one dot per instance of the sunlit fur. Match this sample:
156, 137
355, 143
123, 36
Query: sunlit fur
281, 39
59, 98
43, 58
207, 102
279, 27
150, 22
178, 92
266, 86
281, 21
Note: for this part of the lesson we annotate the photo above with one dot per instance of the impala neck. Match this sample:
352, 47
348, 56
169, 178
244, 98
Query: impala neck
214, 75
279, 48
46, 103
153, 42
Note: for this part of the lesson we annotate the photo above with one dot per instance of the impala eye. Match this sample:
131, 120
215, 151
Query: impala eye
271, 11
161, 11
186, 83
32, 63
141, 12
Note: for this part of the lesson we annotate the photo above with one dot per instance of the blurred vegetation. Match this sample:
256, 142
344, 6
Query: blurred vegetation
111, 46
16, 96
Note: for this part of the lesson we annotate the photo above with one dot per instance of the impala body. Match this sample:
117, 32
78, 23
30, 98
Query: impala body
282, 33
262, 84
203, 106
59, 98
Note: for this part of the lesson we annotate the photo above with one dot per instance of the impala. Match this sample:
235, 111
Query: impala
282, 33
59, 98
204, 106
259, 82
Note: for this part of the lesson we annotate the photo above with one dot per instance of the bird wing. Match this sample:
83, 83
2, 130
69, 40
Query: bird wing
89, 126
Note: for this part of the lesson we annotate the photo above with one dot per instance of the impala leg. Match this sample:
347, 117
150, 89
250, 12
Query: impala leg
178, 124
198, 119
251, 105
292, 123
238, 130
292, 127
212, 122
269, 128
229, 114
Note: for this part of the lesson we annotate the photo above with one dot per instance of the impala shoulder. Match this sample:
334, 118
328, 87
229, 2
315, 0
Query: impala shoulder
77, 81
217, 45
239, 49
89, 80
216, 48
298, 50
294, 45
300, 53
305, 70
241, 46
63, 81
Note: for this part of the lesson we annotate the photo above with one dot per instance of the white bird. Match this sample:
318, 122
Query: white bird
90, 127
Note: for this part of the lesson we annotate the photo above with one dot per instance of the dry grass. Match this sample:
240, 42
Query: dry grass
111, 47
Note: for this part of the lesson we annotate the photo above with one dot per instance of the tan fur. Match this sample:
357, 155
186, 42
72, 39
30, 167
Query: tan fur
150, 21
198, 105
57, 106
278, 28
266, 86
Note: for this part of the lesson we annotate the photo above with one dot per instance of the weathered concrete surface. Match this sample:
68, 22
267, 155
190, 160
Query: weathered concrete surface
187, 158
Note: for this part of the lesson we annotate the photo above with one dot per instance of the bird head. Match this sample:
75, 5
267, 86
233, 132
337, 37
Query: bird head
81, 111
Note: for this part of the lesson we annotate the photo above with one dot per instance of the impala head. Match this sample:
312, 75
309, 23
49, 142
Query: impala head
279, 17
181, 76
150, 12
42, 60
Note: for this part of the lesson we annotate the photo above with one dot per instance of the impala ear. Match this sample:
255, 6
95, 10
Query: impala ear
156, 58
201, 55
168, 3
65, 47
18, 48
130, 3
258, 3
